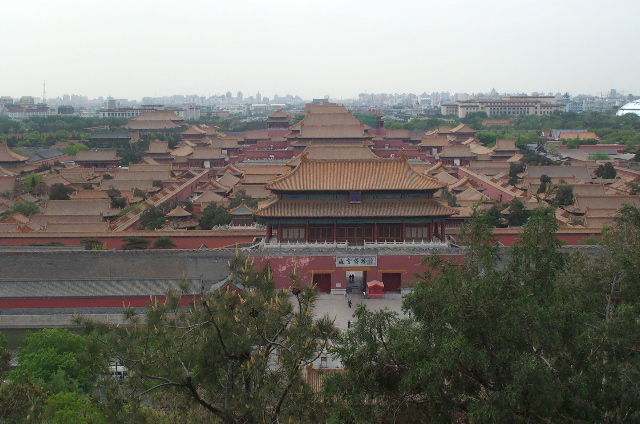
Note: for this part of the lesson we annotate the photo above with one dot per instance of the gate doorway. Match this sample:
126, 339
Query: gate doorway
322, 282
392, 281
355, 281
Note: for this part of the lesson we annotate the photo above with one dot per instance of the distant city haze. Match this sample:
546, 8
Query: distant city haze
133, 49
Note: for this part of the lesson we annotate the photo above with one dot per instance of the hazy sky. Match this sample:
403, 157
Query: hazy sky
135, 48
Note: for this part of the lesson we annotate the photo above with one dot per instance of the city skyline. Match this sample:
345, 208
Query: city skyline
141, 49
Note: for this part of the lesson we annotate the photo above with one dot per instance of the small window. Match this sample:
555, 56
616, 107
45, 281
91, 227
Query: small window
355, 197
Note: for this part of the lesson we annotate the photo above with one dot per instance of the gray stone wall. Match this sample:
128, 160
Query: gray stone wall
210, 265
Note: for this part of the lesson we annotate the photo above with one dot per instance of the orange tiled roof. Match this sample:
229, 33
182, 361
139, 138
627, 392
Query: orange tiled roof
338, 151
206, 153
505, 144
354, 175
457, 152
345, 209
463, 128
208, 196
158, 147
97, 155
8, 155
178, 212
193, 129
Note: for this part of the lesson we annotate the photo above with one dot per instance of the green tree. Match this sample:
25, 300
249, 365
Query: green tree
545, 181
59, 191
164, 243
518, 214
239, 355
214, 215
135, 243
21, 400
31, 181
564, 195
92, 243
117, 200
5, 355
449, 197
480, 345
69, 407
599, 156
152, 218
72, 149
23, 207
240, 197
57, 357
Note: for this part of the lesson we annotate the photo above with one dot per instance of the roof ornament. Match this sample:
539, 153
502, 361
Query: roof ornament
304, 157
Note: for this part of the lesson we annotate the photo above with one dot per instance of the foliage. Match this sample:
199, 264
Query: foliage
241, 197
92, 243
152, 218
606, 171
59, 191
545, 181
214, 215
23, 207
5, 355
164, 243
563, 195
366, 118
589, 241
474, 119
544, 337
31, 181
139, 193
135, 243
21, 401
117, 200
58, 358
599, 156
72, 149
69, 407
132, 153
449, 197
239, 355
518, 215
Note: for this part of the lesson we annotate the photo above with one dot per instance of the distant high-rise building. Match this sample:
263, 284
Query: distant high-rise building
240, 96
258, 98
27, 100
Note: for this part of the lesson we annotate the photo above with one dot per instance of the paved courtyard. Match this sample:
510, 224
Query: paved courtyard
337, 306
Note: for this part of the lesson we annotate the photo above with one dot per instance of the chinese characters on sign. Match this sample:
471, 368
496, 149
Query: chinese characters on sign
356, 261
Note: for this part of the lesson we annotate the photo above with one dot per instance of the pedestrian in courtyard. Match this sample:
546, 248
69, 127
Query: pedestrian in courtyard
349, 302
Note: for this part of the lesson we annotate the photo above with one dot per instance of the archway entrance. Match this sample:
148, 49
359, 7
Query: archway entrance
355, 281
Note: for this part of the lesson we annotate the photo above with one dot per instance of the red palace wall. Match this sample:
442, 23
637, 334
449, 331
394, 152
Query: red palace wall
85, 302
305, 266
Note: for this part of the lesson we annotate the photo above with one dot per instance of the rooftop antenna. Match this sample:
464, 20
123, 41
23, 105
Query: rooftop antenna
44, 93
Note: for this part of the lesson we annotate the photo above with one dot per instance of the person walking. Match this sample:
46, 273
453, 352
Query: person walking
349, 302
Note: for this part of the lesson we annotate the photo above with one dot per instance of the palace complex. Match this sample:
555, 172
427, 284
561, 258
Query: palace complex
340, 204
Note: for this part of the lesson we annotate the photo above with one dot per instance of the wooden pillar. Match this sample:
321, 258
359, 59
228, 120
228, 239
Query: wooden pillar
442, 235
403, 233
268, 236
306, 232
375, 232
279, 232
430, 230
335, 232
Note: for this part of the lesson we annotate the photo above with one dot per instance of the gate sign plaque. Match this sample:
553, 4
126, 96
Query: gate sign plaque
345, 261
